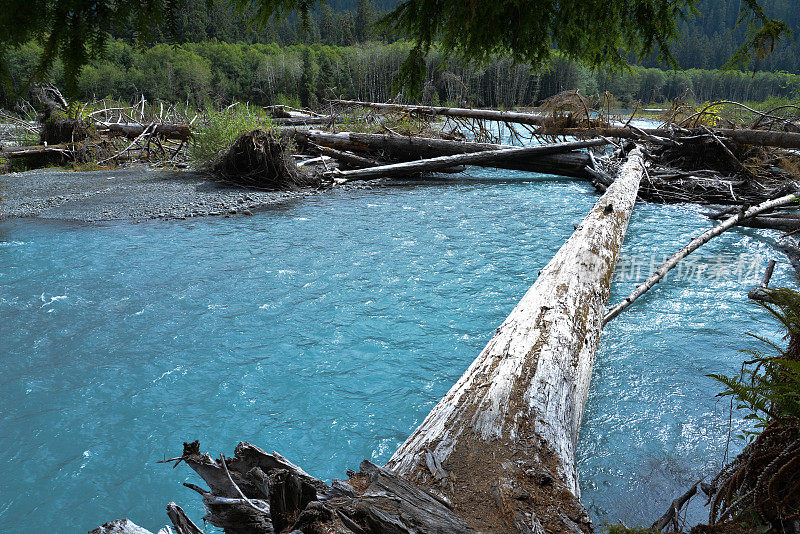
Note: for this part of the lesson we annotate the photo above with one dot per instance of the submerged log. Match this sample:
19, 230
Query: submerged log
445, 162
501, 444
406, 148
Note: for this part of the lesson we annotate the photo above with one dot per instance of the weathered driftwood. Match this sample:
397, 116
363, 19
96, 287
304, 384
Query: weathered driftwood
768, 138
672, 514
258, 493
441, 163
693, 245
348, 159
120, 526
407, 148
501, 444
180, 521
36, 150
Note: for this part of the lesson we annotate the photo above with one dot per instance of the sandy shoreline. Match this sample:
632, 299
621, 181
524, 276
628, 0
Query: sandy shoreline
126, 194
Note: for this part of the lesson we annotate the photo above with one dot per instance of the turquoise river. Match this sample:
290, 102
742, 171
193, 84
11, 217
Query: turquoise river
327, 326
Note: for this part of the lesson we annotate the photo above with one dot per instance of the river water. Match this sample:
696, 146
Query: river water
327, 327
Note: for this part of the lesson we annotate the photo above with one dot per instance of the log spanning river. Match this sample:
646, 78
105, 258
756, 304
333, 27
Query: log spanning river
327, 327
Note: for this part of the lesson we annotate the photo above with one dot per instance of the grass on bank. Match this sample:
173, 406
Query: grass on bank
216, 130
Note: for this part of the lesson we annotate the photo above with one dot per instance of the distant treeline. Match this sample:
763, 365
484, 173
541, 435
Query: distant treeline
708, 37
218, 72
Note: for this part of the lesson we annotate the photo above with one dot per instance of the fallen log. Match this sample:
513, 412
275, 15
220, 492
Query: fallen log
302, 121
535, 119
180, 132
500, 446
445, 162
772, 138
36, 150
693, 245
767, 138
406, 148
346, 158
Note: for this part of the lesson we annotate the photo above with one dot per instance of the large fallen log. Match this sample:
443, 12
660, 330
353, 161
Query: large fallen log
767, 138
406, 148
445, 162
693, 245
501, 444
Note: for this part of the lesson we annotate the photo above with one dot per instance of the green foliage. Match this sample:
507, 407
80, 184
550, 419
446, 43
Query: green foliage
218, 73
768, 386
216, 131
593, 32
73, 31
763, 34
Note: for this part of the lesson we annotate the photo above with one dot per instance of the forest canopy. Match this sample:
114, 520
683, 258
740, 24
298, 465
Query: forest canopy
592, 32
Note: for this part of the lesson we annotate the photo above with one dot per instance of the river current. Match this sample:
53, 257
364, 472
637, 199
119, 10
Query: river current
327, 327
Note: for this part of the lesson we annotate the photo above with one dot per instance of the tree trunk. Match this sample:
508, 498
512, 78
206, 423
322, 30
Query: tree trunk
536, 119
501, 444
440, 163
747, 137
402, 148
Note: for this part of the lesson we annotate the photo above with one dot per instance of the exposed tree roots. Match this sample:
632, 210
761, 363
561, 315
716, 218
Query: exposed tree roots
263, 160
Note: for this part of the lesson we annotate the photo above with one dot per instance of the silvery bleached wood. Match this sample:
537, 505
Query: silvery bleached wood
500, 446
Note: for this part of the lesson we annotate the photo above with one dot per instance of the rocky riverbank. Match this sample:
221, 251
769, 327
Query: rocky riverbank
127, 194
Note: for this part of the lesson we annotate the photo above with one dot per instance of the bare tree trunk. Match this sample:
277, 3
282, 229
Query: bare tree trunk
501, 444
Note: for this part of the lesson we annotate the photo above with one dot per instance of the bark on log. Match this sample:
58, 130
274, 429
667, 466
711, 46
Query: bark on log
444, 162
501, 444
180, 132
693, 245
402, 148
